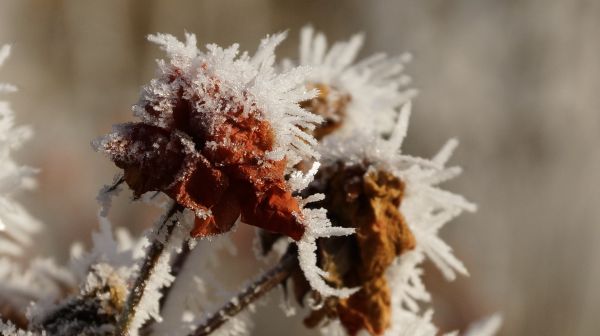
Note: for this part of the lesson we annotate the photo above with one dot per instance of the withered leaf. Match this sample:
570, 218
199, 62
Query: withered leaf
370, 203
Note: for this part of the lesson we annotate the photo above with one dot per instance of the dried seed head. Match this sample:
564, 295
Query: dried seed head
354, 94
219, 135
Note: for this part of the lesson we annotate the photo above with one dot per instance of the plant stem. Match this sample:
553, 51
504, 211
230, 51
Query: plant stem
118, 181
260, 287
153, 254
176, 268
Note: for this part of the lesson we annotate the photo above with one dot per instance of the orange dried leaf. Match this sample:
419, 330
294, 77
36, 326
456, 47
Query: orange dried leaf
369, 203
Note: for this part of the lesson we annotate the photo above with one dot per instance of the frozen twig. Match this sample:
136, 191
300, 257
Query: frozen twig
257, 289
152, 256
176, 268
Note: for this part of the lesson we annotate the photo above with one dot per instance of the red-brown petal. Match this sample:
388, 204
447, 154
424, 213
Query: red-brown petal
276, 210
224, 215
150, 157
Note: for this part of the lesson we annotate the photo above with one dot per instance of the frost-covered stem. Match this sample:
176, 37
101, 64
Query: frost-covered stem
118, 181
175, 270
257, 289
153, 254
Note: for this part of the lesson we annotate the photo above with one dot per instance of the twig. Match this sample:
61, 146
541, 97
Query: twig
176, 268
153, 254
256, 290
118, 181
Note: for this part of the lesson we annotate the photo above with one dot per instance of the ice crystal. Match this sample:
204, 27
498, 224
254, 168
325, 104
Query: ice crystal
41, 281
16, 224
90, 302
248, 81
198, 292
486, 327
364, 94
161, 277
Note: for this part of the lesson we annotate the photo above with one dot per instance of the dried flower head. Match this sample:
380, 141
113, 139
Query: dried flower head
392, 202
365, 94
218, 133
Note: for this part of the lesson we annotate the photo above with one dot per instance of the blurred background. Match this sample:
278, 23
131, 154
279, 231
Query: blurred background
516, 81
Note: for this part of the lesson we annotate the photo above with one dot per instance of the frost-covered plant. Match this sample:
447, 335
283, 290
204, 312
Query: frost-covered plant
307, 151
16, 224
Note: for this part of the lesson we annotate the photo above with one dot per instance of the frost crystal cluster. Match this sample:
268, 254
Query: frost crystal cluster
308, 151
16, 224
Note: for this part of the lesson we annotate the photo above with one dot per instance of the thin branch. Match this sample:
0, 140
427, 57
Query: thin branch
259, 288
152, 256
118, 181
176, 268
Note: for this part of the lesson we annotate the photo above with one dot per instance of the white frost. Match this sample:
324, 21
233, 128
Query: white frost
377, 85
148, 307
486, 327
249, 82
16, 224
318, 225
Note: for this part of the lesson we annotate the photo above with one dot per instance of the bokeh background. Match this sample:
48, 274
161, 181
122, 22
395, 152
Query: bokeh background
516, 81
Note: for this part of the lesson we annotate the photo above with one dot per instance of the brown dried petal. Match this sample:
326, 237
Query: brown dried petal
150, 157
370, 204
329, 104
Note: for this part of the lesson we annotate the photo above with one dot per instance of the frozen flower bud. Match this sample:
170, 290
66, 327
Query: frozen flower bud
219, 134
